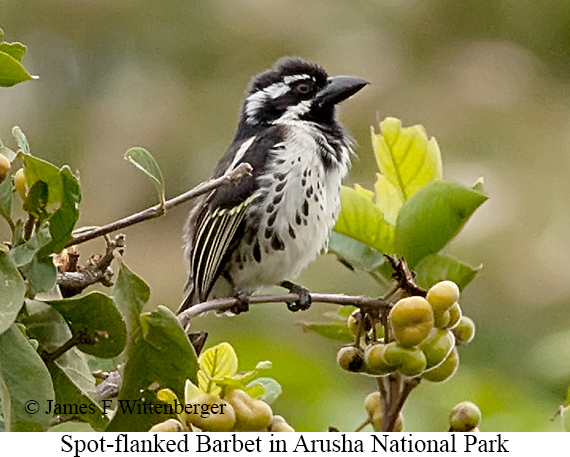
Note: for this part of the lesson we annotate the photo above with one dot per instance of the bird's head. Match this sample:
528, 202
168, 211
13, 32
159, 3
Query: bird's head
295, 90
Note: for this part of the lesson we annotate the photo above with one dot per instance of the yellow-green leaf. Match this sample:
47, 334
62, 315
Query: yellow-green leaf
215, 364
191, 391
388, 199
406, 157
362, 220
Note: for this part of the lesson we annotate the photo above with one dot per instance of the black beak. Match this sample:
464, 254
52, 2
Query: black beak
339, 88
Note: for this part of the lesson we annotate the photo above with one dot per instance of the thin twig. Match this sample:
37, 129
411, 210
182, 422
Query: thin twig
233, 176
222, 304
390, 419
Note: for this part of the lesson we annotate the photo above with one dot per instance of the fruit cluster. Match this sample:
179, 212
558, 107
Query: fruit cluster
235, 412
422, 340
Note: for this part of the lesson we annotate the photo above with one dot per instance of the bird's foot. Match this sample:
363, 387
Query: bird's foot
242, 304
304, 301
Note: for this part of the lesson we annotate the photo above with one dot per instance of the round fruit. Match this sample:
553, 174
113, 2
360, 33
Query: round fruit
464, 417
20, 184
374, 360
278, 424
455, 314
351, 358
464, 331
414, 364
442, 296
412, 320
354, 319
4, 167
221, 422
437, 346
252, 415
444, 370
373, 403
170, 425
441, 320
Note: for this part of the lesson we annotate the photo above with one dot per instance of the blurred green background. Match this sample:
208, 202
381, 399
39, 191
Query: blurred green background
490, 79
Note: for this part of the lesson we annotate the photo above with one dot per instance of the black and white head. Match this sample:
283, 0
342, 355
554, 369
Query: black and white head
295, 90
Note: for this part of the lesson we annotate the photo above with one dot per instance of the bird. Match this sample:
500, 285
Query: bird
265, 229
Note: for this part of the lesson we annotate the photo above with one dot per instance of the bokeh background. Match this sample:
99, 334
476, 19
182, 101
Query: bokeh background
490, 79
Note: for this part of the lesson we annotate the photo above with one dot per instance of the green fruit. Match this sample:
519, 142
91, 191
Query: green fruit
414, 364
441, 320
412, 320
252, 415
455, 314
4, 167
278, 424
351, 358
464, 417
374, 360
373, 403
437, 346
170, 425
377, 422
444, 370
20, 184
464, 331
442, 296
221, 422
353, 322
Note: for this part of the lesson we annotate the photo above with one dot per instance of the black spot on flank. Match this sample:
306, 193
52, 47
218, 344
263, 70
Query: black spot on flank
303, 182
305, 172
292, 232
305, 208
310, 172
318, 185
270, 208
309, 191
277, 243
280, 176
277, 199
297, 218
316, 198
271, 219
257, 252
305, 222
280, 186
280, 161
318, 217
268, 233
298, 159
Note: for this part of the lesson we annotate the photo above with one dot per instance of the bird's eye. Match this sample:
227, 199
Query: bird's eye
303, 88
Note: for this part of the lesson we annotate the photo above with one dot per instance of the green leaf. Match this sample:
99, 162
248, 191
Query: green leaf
361, 220
388, 199
336, 331
41, 275
7, 152
16, 50
143, 160
72, 378
63, 220
13, 291
71, 427
11, 71
241, 380
36, 201
130, 294
406, 157
40, 170
6, 200
92, 314
215, 364
354, 254
158, 356
271, 389
21, 140
436, 267
23, 378
432, 217
23, 253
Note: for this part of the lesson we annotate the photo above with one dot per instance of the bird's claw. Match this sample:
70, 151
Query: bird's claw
304, 301
242, 304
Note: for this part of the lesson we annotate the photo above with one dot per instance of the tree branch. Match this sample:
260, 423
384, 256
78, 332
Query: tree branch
222, 304
233, 176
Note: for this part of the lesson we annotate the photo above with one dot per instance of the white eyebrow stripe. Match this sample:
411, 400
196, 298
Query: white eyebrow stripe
292, 78
256, 100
